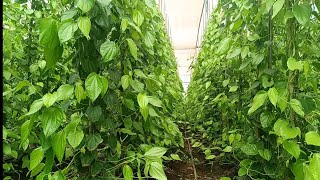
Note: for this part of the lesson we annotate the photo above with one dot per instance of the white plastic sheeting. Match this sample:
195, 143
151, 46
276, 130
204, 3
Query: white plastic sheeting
182, 21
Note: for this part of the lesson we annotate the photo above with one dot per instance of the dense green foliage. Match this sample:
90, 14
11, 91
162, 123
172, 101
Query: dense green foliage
90, 88
254, 95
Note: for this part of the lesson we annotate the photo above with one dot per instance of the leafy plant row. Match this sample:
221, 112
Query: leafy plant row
90, 88
254, 93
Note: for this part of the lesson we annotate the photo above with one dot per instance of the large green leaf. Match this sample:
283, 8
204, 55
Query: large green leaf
48, 30
258, 100
283, 98
53, 52
227, 149
149, 39
234, 53
72, 125
155, 152
297, 107
96, 168
153, 113
312, 138
37, 169
25, 130
283, 129
277, 6
93, 86
129, 103
66, 30
65, 92
269, 4
22, 84
59, 144
224, 46
176, 157
233, 88
265, 154
156, 171
94, 113
142, 100
273, 96
137, 85
302, 12
58, 175
93, 141
75, 137
293, 64
127, 172
312, 171
35, 106
133, 48
236, 25
124, 24
292, 148
84, 24
257, 58
250, 149
154, 101
105, 85
7, 149
69, 14
79, 92
109, 50
297, 169
266, 119
36, 157
85, 5
138, 17
49, 99
125, 81
242, 171
51, 120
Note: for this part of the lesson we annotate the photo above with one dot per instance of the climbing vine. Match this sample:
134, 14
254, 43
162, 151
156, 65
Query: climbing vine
90, 88
254, 93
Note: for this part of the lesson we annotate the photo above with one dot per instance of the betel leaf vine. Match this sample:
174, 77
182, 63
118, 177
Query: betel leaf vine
89, 91
254, 92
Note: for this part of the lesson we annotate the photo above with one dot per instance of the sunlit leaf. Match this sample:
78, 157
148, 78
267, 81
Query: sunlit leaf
277, 6
302, 12
36, 157
59, 145
85, 5
313, 138
133, 48
84, 24
66, 30
258, 100
94, 86
109, 50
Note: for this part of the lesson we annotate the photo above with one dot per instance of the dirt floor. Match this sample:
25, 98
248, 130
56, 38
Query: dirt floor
178, 170
205, 170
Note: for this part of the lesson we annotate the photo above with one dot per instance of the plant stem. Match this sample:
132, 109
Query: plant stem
290, 29
190, 152
270, 39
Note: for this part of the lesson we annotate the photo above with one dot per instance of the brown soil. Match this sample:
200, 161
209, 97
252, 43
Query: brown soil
213, 170
179, 170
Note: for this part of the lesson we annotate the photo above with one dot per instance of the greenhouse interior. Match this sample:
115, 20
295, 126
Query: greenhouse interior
161, 89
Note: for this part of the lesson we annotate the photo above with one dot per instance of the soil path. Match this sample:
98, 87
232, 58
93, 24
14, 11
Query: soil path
205, 170
179, 170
